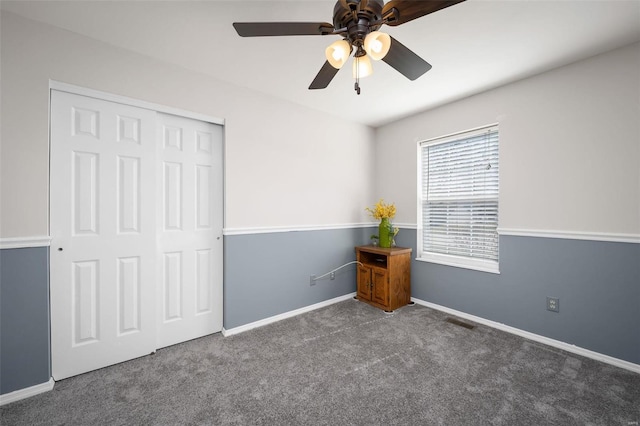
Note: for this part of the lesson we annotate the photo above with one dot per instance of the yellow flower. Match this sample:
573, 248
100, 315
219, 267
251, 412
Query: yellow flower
382, 210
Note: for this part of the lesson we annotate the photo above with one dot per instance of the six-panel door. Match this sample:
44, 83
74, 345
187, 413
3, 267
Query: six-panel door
136, 224
189, 231
103, 233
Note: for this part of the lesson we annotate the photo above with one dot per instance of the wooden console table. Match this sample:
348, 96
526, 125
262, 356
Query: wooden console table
384, 276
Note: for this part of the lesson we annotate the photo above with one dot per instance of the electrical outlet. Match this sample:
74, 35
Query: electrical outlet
332, 275
312, 280
553, 304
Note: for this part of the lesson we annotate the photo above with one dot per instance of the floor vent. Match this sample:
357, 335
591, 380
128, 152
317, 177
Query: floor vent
460, 323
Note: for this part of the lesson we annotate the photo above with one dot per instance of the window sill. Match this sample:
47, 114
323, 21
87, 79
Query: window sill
458, 262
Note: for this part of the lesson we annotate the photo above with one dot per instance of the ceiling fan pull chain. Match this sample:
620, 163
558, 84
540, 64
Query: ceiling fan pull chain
357, 83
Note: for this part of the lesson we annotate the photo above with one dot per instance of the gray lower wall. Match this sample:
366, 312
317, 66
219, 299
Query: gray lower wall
598, 284
24, 318
268, 274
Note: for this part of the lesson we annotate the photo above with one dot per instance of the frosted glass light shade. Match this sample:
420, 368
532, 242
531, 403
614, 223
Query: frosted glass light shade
362, 67
377, 45
337, 53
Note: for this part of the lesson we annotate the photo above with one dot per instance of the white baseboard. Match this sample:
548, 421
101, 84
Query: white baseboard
26, 393
535, 337
280, 317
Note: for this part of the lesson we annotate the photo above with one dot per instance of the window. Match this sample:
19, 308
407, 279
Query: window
458, 193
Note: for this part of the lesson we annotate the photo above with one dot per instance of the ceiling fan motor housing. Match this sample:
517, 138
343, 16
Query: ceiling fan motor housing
356, 17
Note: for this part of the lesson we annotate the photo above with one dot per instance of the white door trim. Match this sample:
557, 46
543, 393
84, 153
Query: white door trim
78, 90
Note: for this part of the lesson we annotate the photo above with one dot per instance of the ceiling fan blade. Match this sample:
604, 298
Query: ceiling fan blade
398, 12
405, 61
324, 77
266, 29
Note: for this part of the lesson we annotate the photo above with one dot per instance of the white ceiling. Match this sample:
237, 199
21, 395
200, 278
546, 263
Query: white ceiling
473, 46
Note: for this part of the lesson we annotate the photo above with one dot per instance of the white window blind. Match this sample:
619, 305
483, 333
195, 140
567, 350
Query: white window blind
459, 196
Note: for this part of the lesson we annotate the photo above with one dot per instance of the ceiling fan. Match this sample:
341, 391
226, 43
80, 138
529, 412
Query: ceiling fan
358, 22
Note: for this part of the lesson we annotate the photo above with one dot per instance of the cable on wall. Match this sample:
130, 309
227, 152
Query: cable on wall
313, 278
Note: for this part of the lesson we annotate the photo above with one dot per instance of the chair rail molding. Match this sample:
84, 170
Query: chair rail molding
25, 242
300, 228
571, 235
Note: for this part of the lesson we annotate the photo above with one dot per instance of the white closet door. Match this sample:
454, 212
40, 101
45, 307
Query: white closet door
103, 168
189, 229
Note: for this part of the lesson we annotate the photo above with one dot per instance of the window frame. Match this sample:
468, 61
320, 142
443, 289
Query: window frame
478, 264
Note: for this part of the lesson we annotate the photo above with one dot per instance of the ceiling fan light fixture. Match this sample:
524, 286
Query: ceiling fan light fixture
357, 22
362, 67
377, 45
338, 53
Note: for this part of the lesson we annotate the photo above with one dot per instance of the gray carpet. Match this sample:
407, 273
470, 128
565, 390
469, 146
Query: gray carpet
346, 364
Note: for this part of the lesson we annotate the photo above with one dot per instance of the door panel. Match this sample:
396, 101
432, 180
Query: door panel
380, 292
364, 283
103, 233
190, 232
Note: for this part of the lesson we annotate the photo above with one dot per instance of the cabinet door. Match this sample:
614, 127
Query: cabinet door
380, 291
364, 283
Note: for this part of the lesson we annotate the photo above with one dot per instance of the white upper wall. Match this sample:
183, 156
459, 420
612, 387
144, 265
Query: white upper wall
284, 165
570, 140
569, 147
